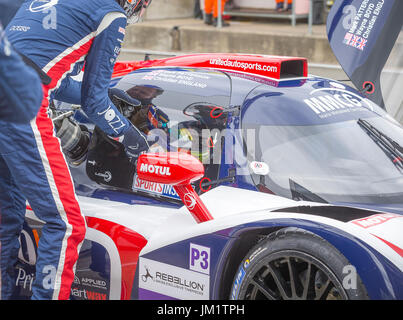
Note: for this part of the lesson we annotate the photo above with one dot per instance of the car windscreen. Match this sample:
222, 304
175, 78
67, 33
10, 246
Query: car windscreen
181, 86
334, 162
177, 113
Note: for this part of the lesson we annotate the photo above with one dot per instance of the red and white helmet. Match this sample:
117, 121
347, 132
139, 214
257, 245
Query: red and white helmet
134, 9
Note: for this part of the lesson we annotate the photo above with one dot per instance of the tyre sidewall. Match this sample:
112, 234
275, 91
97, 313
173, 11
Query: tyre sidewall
295, 239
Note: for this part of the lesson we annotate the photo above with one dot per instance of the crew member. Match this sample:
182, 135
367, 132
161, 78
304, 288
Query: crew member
280, 5
59, 36
211, 12
20, 98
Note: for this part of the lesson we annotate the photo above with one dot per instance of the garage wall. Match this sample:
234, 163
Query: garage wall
170, 9
256, 3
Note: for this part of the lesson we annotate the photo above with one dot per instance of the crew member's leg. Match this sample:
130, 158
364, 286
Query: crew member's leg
215, 13
215, 8
65, 225
208, 6
289, 5
12, 211
208, 10
279, 5
43, 177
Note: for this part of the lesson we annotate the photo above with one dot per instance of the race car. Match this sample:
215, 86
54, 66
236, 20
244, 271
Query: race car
262, 182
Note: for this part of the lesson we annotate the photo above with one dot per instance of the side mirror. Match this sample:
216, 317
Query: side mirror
179, 170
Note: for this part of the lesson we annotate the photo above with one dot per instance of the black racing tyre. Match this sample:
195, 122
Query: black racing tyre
294, 264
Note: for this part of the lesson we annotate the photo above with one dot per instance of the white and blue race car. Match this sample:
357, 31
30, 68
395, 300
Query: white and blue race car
262, 182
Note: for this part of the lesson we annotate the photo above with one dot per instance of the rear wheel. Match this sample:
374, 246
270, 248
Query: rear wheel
293, 264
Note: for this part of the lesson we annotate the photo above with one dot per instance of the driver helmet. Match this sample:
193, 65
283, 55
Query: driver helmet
148, 117
134, 9
191, 141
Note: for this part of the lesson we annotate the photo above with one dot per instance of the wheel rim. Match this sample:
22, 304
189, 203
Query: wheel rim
291, 275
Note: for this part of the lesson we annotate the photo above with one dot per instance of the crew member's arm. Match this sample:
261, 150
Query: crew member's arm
69, 91
20, 87
96, 82
97, 76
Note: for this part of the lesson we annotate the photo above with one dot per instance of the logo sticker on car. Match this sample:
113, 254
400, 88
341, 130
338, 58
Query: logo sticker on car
171, 281
164, 190
199, 258
375, 220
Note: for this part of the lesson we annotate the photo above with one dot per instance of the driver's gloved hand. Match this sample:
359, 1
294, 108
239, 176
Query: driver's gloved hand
135, 143
119, 96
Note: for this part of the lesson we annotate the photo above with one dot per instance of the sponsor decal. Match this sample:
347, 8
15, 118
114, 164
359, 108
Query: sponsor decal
114, 121
88, 287
237, 284
199, 258
173, 281
116, 51
375, 220
154, 169
360, 22
165, 190
122, 30
255, 78
42, 5
24, 280
336, 102
179, 77
146, 276
91, 295
189, 200
259, 168
94, 283
83, 294
106, 175
20, 28
243, 65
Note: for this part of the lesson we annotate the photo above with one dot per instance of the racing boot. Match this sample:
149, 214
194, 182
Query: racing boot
208, 19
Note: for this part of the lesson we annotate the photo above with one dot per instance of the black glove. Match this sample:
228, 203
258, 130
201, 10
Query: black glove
123, 101
135, 143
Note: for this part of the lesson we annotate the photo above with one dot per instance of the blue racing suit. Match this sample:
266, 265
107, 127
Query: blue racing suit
8, 9
59, 36
20, 98
20, 87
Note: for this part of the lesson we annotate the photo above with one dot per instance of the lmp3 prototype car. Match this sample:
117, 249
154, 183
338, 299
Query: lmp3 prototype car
261, 182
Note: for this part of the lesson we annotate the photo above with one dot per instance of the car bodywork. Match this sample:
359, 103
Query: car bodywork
262, 114
143, 243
